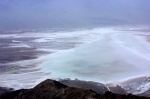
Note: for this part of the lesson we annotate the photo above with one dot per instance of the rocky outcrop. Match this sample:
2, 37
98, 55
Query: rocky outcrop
97, 87
4, 90
118, 90
50, 89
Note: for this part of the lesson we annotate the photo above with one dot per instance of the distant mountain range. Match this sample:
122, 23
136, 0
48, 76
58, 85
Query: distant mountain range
50, 89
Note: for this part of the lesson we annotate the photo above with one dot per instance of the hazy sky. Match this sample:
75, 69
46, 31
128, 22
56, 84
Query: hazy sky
40, 14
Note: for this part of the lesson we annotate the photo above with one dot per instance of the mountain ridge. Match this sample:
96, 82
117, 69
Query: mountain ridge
51, 89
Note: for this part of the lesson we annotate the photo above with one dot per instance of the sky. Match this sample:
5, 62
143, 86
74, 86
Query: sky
44, 14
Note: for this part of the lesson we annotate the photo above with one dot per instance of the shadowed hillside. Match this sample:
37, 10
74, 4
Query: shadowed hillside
50, 89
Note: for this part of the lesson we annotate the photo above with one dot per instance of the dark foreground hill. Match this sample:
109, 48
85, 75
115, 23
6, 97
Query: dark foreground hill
50, 89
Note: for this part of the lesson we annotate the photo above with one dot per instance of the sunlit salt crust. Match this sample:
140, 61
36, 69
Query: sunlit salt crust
114, 55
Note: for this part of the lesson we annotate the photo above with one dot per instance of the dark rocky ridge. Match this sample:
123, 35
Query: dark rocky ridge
4, 90
50, 89
95, 86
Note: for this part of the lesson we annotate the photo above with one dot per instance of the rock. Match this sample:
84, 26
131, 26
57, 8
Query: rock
50, 89
118, 90
97, 87
4, 90
147, 93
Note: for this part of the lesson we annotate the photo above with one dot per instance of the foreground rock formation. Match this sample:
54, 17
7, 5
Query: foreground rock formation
95, 86
50, 89
4, 90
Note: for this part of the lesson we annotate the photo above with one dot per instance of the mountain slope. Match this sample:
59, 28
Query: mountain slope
50, 89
